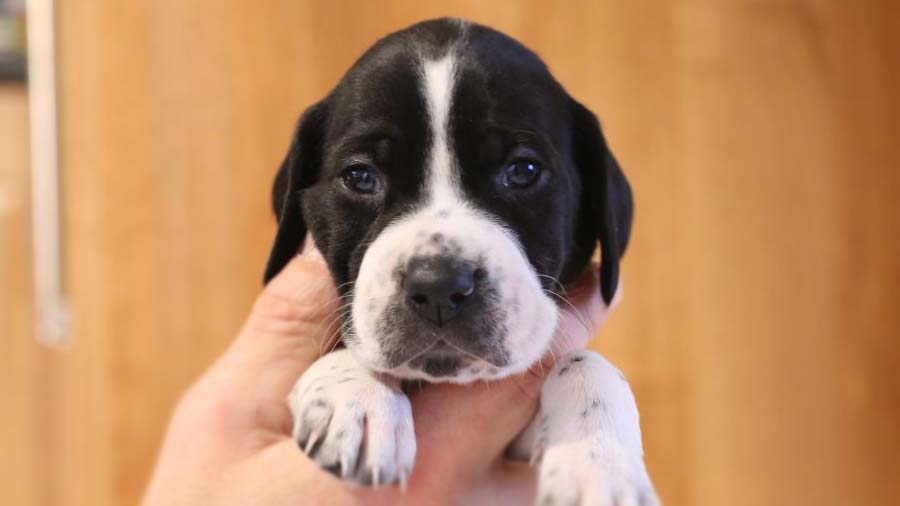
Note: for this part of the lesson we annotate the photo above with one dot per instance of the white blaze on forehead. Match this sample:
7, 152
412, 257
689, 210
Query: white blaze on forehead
439, 79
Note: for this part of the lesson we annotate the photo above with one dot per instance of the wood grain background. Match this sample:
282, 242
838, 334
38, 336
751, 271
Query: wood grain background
761, 320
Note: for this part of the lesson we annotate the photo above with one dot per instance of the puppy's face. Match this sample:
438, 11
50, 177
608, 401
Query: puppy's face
452, 186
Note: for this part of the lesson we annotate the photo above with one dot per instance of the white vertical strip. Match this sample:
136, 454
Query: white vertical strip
51, 309
440, 76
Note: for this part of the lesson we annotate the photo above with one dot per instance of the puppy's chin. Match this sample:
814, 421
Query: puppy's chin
460, 370
449, 366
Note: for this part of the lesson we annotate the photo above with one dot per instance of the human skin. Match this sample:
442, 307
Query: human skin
229, 442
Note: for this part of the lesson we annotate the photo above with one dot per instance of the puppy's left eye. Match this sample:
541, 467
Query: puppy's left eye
361, 178
520, 173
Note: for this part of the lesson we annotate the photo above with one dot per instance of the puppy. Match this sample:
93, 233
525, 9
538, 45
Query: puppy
453, 187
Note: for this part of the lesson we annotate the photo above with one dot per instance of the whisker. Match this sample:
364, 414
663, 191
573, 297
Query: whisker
330, 343
339, 312
552, 354
564, 297
342, 285
335, 337
581, 320
331, 334
566, 339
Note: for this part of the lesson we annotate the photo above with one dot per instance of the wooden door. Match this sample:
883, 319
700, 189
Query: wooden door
760, 320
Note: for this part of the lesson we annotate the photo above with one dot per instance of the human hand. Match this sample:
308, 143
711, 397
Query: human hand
229, 439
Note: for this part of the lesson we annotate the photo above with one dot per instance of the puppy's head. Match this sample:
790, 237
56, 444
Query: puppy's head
452, 186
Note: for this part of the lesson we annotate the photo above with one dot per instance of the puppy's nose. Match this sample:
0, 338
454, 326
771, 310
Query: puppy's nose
437, 287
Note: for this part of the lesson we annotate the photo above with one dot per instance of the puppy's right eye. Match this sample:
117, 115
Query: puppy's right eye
361, 178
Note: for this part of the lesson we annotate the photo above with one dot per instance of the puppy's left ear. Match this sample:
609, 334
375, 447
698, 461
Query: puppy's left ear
299, 170
607, 195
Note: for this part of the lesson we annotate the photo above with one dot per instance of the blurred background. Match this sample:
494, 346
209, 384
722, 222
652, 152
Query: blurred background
761, 321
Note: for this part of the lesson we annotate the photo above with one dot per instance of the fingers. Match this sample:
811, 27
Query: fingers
301, 293
299, 304
293, 321
513, 482
466, 428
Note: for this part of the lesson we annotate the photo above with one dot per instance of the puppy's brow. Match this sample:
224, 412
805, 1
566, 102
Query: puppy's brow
524, 136
523, 132
368, 134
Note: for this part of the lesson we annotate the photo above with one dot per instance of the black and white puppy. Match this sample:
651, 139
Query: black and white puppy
453, 186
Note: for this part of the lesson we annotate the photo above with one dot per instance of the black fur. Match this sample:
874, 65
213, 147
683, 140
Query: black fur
298, 171
505, 98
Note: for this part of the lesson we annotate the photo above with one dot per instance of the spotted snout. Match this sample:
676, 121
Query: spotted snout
449, 298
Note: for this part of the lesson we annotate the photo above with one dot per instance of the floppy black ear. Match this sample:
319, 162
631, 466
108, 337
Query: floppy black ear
299, 170
607, 195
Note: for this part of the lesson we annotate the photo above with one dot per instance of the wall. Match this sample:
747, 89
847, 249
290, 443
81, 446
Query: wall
760, 320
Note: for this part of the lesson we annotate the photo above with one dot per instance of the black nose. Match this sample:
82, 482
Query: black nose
438, 287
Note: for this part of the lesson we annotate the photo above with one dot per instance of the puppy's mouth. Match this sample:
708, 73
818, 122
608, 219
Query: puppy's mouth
441, 360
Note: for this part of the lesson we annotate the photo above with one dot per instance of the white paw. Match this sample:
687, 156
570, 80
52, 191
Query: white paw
593, 473
353, 425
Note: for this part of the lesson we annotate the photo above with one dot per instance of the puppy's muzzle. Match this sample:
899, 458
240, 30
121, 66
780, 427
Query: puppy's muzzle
439, 288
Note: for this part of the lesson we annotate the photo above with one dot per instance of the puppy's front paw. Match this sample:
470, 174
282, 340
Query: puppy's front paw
354, 426
593, 472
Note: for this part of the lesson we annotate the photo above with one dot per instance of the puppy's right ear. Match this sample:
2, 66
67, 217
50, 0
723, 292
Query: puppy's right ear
299, 170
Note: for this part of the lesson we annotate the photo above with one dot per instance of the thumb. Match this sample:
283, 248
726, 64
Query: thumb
293, 322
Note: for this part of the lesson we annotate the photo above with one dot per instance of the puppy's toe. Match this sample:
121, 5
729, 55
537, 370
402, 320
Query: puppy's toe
311, 423
359, 431
390, 444
340, 448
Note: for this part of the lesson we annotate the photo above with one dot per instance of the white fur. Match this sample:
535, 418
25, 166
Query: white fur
343, 411
587, 437
531, 314
443, 182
